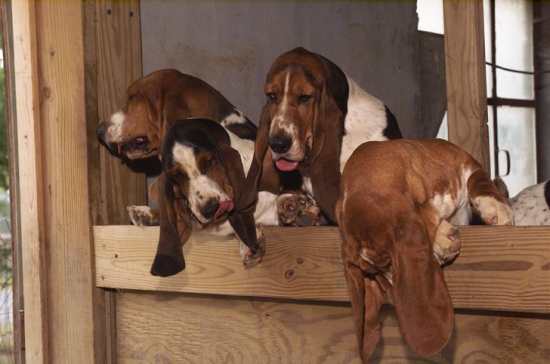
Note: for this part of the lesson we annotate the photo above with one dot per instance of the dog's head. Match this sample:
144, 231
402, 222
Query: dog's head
393, 254
306, 101
201, 184
134, 132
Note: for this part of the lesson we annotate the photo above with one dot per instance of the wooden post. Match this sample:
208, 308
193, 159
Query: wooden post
465, 74
113, 61
60, 321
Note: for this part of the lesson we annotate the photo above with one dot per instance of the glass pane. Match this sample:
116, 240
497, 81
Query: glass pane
430, 15
516, 138
514, 48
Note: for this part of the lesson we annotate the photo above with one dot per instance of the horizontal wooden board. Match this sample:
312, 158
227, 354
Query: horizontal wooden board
184, 328
500, 268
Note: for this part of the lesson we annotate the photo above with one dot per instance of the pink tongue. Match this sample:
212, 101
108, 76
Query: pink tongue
286, 165
225, 206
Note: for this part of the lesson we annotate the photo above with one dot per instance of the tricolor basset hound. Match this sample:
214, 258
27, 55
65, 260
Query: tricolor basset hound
314, 118
396, 202
531, 206
204, 166
135, 132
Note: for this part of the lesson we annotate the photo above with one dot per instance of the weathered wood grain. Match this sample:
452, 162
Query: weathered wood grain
113, 60
31, 207
175, 328
70, 279
500, 268
465, 75
118, 64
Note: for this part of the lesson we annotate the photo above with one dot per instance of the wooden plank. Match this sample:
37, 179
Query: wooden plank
110, 68
71, 319
500, 268
171, 328
118, 64
31, 207
11, 123
465, 75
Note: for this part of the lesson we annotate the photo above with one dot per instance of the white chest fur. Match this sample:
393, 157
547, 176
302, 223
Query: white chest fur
365, 121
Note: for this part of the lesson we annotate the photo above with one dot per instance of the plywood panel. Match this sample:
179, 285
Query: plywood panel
465, 75
500, 268
173, 328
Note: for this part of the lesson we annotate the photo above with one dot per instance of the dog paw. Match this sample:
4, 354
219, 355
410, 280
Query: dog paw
298, 209
447, 243
492, 211
142, 215
249, 258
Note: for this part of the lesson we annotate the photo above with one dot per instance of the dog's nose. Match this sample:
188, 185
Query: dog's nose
210, 208
101, 130
280, 143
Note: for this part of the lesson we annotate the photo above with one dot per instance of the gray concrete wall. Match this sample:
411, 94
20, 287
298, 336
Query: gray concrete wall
231, 45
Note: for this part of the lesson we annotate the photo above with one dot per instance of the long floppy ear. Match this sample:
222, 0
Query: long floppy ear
174, 232
242, 218
250, 194
328, 129
420, 296
366, 301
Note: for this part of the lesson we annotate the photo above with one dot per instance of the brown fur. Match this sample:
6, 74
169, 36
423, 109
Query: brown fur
385, 213
321, 121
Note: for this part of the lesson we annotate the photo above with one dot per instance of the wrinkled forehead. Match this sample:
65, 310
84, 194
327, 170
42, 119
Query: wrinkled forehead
186, 157
294, 78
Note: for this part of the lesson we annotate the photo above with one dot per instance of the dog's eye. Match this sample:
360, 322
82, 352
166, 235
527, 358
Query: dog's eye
302, 99
271, 97
208, 163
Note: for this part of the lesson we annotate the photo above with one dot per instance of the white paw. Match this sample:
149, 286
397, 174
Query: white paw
142, 215
492, 211
447, 243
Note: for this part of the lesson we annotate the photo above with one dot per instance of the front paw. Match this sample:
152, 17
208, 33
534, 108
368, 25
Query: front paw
446, 246
249, 258
142, 215
298, 209
492, 211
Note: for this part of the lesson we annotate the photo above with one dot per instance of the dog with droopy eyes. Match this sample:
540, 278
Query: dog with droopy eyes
200, 187
397, 201
314, 117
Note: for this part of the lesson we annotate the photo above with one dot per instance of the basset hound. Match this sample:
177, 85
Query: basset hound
396, 202
313, 119
135, 132
204, 165
531, 206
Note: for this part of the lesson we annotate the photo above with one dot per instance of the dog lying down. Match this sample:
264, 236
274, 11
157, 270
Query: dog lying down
202, 181
396, 200
531, 206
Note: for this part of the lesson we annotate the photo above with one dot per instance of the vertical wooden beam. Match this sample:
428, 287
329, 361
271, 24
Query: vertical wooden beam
117, 65
465, 75
31, 206
11, 123
112, 35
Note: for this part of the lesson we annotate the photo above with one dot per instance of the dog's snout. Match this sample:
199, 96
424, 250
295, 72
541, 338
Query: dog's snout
101, 130
210, 208
280, 143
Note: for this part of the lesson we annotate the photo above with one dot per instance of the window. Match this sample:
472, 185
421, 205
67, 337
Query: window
511, 107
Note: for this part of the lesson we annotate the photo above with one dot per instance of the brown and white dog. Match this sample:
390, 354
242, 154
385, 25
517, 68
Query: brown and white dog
397, 198
135, 132
531, 206
203, 177
314, 118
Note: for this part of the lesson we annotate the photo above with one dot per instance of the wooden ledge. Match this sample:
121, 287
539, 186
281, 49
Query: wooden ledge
500, 268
